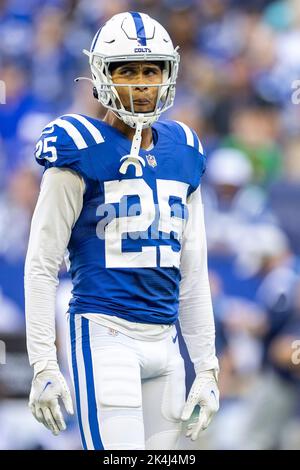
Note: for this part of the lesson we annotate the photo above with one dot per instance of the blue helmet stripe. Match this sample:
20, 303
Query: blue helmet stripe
139, 26
95, 40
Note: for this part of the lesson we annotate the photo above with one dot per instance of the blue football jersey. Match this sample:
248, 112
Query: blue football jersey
124, 249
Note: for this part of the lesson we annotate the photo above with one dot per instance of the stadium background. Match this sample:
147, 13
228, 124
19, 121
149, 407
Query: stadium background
239, 63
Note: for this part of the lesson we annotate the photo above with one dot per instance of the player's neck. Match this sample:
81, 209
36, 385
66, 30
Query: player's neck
128, 131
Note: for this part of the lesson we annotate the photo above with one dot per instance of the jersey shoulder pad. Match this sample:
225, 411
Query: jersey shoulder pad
189, 137
63, 140
182, 134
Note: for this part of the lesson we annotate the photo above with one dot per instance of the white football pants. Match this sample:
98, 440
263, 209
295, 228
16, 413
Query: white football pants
129, 393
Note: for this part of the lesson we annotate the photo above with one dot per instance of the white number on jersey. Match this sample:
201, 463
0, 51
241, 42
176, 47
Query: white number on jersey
146, 258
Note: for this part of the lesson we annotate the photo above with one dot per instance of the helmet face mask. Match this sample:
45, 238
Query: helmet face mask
123, 35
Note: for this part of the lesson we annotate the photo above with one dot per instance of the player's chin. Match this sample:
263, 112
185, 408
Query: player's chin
143, 108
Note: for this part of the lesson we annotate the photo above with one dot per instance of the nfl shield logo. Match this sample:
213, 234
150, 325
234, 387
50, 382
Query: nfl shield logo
151, 160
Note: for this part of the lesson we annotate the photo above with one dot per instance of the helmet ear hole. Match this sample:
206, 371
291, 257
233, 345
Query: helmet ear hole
165, 76
95, 93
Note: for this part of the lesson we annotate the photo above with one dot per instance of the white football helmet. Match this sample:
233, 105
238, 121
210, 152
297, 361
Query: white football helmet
129, 37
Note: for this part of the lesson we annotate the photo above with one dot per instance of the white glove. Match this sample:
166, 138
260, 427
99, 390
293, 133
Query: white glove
204, 392
48, 385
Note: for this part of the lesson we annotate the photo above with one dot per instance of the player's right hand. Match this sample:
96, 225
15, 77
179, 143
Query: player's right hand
48, 386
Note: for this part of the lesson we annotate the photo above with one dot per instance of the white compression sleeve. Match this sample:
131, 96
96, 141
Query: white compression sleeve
195, 305
58, 207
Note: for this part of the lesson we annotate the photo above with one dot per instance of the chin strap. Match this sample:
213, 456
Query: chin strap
133, 158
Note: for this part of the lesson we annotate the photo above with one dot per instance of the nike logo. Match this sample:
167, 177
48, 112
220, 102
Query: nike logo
213, 394
48, 383
174, 339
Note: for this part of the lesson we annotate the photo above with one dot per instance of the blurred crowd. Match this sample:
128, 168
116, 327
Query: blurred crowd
237, 87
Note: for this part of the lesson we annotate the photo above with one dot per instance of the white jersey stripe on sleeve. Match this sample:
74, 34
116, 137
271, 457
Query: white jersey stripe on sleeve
72, 132
188, 133
90, 127
200, 147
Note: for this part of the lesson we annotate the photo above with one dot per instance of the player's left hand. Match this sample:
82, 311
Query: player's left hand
205, 393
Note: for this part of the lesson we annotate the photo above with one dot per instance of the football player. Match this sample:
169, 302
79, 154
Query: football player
122, 196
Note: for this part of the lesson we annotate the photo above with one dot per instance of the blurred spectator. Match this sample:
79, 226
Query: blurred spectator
53, 67
254, 130
18, 102
232, 203
284, 195
278, 387
16, 209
